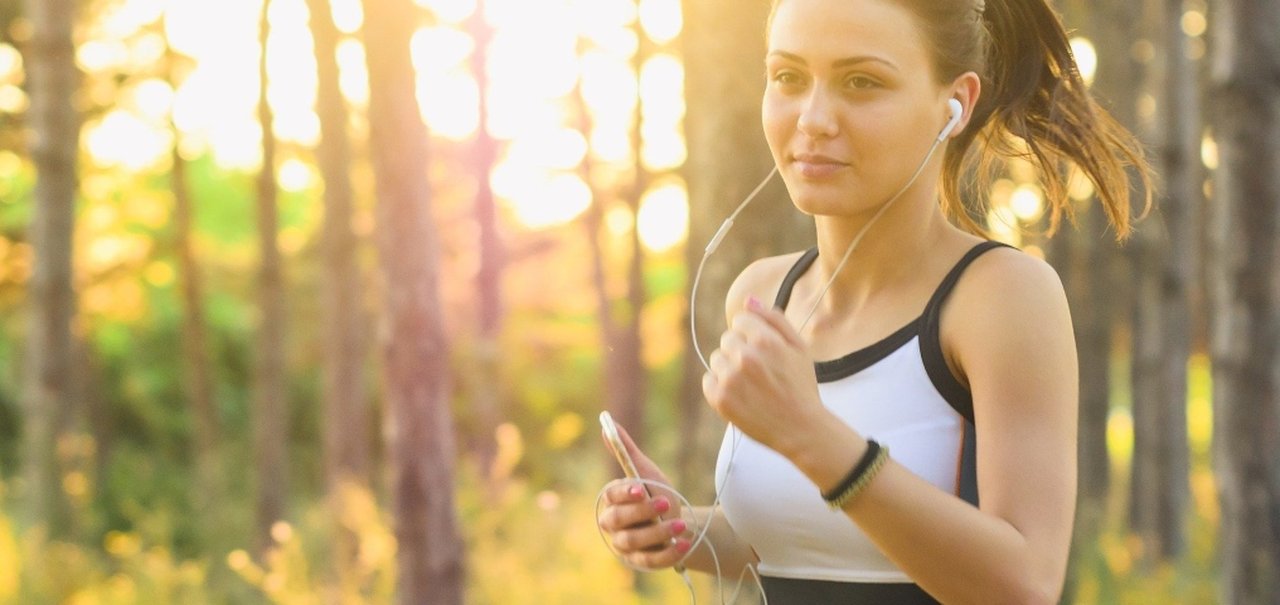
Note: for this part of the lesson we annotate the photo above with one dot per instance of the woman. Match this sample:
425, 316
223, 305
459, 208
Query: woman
953, 353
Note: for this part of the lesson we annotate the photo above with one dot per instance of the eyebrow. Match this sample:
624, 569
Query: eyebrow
845, 62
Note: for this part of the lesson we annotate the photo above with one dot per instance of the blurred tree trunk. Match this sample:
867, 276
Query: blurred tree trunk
1096, 261
1162, 316
1245, 93
50, 393
270, 420
723, 43
1090, 263
627, 398
487, 385
1083, 257
429, 548
593, 224
346, 413
198, 368
624, 372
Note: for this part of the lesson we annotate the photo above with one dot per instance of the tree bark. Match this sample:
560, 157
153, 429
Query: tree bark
346, 412
724, 49
1162, 323
487, 394
198, 369
623, 366
270, 405
1245, 310
429, 549
631, 376
50, 392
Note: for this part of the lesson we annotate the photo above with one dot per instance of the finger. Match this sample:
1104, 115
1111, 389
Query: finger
719, 364
711, 389
732, 342
626, 516
653, 537
621, 491
661, 559
775, 320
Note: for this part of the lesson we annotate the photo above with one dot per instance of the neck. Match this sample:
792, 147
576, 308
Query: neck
892, 249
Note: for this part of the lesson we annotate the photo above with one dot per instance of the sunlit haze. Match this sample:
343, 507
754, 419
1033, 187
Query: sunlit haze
545, 58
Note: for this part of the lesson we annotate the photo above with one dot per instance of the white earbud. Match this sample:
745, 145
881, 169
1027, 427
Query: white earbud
957, 112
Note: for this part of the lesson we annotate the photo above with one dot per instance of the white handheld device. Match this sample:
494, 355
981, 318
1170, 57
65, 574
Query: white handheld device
615, 443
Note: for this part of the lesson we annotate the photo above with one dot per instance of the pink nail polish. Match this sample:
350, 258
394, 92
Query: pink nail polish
678, 527
661, 505
636, 491
683, 546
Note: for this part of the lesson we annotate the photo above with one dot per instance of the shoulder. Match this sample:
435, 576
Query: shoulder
759, 279
1005, 280
1009, 312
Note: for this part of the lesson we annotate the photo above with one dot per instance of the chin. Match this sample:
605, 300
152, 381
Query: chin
826, 202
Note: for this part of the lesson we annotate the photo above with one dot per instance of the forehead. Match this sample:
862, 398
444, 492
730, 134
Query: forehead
823, 31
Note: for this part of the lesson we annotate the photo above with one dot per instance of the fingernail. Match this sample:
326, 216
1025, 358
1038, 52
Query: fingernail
683, 546
753, 303
636, 491
661, 505
678, 527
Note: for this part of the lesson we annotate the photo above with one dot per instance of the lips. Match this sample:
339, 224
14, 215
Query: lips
816, 165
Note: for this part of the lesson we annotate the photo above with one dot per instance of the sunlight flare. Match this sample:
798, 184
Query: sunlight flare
123, 139
663, 219
1086, 58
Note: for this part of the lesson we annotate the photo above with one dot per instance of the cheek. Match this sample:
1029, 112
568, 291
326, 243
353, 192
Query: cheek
777, 124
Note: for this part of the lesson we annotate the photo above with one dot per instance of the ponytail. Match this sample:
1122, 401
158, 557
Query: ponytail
1035, 106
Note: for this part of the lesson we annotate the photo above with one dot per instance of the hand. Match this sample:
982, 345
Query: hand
644, 524
762, 380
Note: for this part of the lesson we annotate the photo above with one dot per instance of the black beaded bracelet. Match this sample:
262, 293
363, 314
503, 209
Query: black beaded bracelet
859, 469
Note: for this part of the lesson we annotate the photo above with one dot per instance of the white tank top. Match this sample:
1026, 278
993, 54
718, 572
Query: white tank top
898, 391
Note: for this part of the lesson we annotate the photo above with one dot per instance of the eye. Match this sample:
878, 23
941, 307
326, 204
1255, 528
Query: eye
860, 82
787, 77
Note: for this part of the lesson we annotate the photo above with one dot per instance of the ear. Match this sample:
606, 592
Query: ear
966, 88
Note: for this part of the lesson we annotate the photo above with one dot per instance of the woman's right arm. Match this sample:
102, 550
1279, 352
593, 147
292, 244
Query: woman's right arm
651, 531
631, 520
733, 552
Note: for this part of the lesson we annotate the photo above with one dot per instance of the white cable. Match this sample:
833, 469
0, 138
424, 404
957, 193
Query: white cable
706, 254
861, 232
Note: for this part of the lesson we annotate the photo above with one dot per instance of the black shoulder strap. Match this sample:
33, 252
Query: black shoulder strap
930, 342
789, 282
959, 397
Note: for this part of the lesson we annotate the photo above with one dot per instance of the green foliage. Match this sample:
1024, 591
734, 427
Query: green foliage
527, 544
122, 569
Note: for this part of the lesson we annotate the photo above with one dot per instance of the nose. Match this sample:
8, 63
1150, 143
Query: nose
817, 116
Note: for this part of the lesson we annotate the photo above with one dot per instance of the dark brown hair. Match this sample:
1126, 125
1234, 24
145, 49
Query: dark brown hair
1034, 105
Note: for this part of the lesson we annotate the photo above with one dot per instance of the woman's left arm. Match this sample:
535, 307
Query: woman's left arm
1016, 348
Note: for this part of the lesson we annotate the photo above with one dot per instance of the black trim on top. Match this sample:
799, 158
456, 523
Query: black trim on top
857, 361
790, 591
793, 275
935, 363
967, 477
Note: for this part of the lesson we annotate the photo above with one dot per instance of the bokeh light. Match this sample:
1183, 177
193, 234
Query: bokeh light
121, 138
1086, 59
560, 78
663, 219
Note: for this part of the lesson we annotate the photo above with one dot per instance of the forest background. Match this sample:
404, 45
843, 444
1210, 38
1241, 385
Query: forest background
331, 323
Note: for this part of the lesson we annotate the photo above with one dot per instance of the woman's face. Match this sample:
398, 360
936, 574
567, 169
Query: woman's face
851, 104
